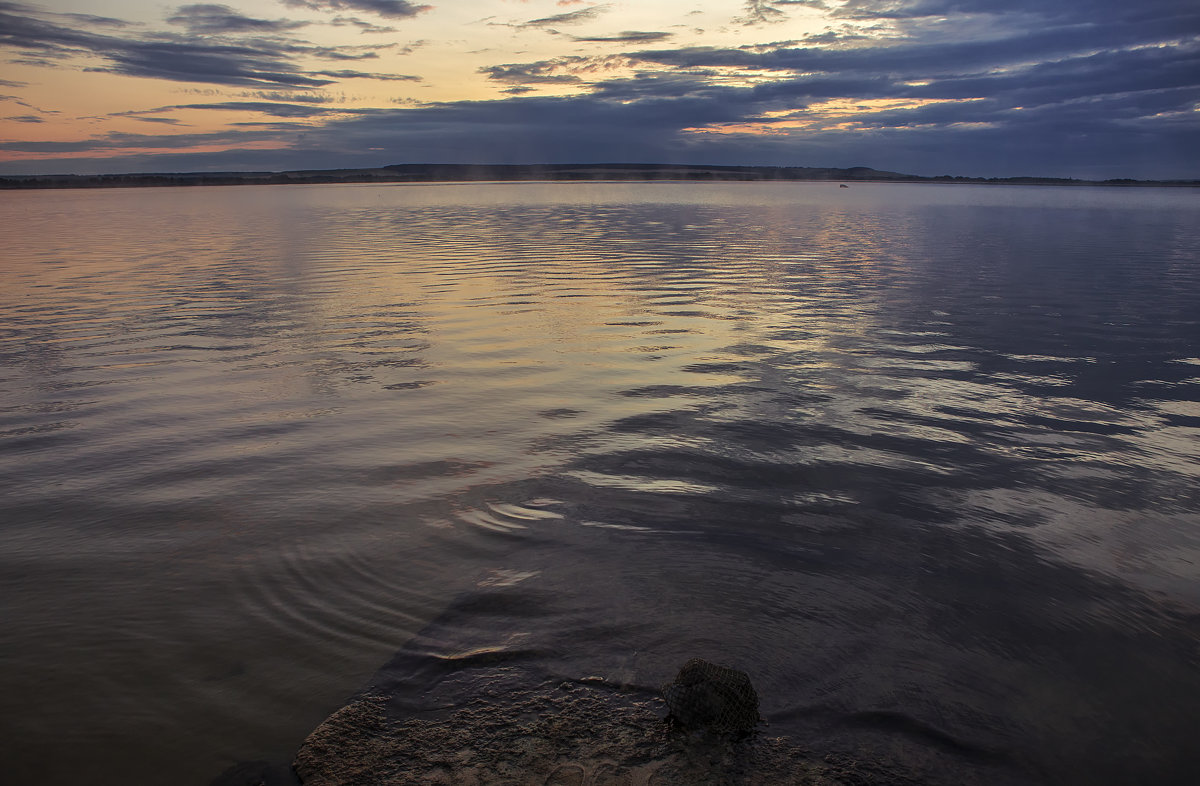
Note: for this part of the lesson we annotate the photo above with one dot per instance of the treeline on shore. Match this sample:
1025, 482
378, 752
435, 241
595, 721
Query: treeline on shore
427, 173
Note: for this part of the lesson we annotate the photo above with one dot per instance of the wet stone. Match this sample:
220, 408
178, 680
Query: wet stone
567, 735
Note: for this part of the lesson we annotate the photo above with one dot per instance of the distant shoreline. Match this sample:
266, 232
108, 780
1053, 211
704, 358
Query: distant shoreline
458, 173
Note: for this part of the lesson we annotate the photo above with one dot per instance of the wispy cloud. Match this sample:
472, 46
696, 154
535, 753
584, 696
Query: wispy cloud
270, 108
625, 37
202, 18
545, 72
17, 100
291, 97
209, 58
392, 9
363, 25
85, 19
382, 77
166, 121
117, 141
560, 70
760, 12
568, 18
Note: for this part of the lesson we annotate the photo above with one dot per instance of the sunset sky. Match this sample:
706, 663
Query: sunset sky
1074, 88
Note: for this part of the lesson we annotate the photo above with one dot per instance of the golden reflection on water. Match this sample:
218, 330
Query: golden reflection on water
254, 439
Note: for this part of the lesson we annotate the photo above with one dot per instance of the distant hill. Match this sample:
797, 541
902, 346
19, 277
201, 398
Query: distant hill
427, 173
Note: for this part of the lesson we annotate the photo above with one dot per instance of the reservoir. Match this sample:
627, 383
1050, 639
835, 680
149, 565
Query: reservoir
923, 460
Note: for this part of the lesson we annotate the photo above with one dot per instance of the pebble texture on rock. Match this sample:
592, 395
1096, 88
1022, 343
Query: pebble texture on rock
567, 735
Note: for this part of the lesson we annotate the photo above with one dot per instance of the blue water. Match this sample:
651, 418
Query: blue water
923, 460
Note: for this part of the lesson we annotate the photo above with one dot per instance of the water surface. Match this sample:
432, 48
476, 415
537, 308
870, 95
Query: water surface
923, 460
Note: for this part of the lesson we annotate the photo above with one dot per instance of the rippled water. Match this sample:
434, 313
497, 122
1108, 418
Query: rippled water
923, 460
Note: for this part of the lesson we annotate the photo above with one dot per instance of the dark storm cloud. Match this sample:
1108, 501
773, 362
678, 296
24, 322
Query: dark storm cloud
258, 61
1120, 112
1128, 73
392, 9
1040, 31
202, 18
1066, 79
1087, 25
901, 60
1084, 73
1065, 11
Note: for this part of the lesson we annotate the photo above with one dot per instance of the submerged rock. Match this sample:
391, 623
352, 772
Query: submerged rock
572, 734
711, 697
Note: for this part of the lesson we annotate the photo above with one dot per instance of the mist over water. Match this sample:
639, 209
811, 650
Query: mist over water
923, 460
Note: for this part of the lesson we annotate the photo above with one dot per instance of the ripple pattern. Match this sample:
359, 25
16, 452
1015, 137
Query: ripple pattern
924, 459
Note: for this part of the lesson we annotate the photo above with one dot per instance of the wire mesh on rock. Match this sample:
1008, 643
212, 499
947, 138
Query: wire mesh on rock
717, 698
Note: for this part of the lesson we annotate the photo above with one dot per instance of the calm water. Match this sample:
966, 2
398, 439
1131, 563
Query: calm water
923, 460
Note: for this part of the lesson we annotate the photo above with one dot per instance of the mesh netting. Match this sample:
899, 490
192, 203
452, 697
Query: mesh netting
707, 696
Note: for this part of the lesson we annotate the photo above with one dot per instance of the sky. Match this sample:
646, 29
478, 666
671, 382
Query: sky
1092, 89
